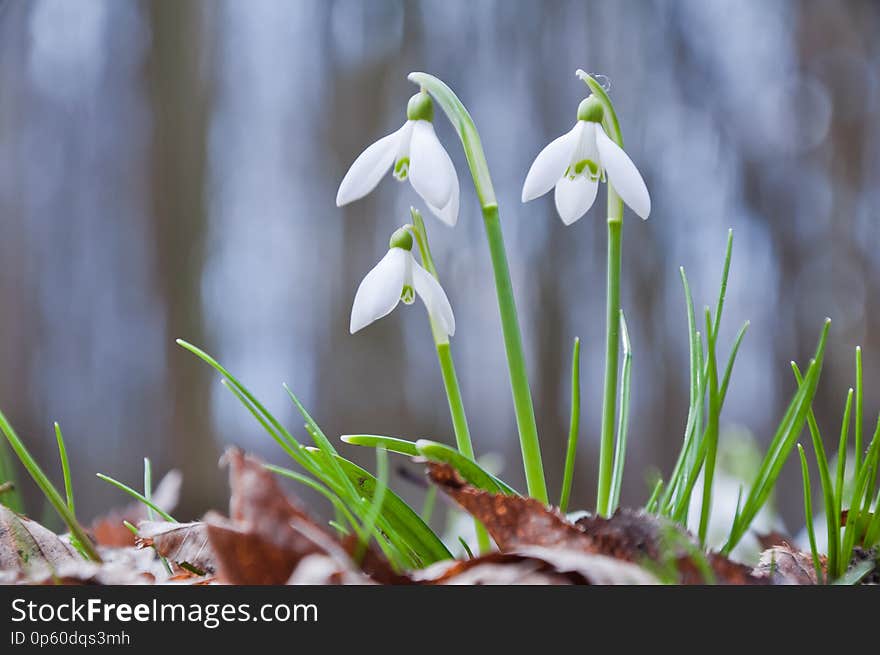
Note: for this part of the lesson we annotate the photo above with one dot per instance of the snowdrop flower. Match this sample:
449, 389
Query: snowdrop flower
413, 152
576, 162
398, 277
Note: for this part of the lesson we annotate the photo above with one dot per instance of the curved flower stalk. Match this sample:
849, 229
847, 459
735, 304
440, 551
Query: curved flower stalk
447, 368
413, 152
577, 161
461, 120
398, 276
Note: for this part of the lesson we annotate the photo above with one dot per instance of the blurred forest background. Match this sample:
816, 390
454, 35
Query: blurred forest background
168, 169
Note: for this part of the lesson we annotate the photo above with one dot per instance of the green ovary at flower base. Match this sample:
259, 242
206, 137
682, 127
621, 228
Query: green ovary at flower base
573, 165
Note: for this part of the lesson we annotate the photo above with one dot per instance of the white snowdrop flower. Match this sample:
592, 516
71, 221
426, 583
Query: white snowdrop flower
398, 276
413, 152
577, 161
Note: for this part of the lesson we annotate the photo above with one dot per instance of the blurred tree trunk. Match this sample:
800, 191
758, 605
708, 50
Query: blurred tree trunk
181, 92
18, 322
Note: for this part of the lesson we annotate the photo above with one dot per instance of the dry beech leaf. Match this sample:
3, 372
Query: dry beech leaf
108, 530
492, 569
773, 538
181, 543
512, 521
789, 566
30, 550
536, 565
267, 535
517, 524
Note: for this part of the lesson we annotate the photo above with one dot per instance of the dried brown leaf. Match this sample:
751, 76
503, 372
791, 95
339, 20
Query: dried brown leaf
267, 535
786, 565
181, 543
30, 550
520, 524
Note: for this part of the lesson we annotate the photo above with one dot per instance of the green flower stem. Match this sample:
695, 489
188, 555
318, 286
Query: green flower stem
519, 381
612, 356
447, 369
612, 313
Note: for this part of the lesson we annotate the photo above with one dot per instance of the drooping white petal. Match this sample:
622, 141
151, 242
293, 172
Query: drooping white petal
434, 297
449, 213
623, 174
574, 197
368, 169
430, 170
551, 163
379, 291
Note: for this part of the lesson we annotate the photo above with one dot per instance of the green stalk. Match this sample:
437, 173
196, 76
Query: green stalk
711, 430
808, 514
65, 468
10, 494
832, 514
138, 496
447, 368
841, 455
444, 355
859, 415
42, 480
612, 309
516, 363
612, 347
573, 426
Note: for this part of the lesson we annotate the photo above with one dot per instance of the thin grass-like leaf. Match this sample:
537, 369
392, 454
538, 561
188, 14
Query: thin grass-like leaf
859, 415
711, 437
808, 513
377, 500
393, 444
321, 441
468, 468
65, 468
856, 574
400, 517
654, 498
841, 453
49, 490
138, 496
305, 480
781, 445
573, 426
832, 516
623, 420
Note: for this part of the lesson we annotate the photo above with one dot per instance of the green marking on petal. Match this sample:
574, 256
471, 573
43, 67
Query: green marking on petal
401, 169
408, 295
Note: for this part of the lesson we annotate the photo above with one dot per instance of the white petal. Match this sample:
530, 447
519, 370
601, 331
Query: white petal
551, 163
368, 169
379, 291
623, 175
449, 213
434, 297
430, 166
574, 197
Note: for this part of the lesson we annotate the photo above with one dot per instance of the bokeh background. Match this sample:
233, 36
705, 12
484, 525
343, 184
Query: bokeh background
168, 169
